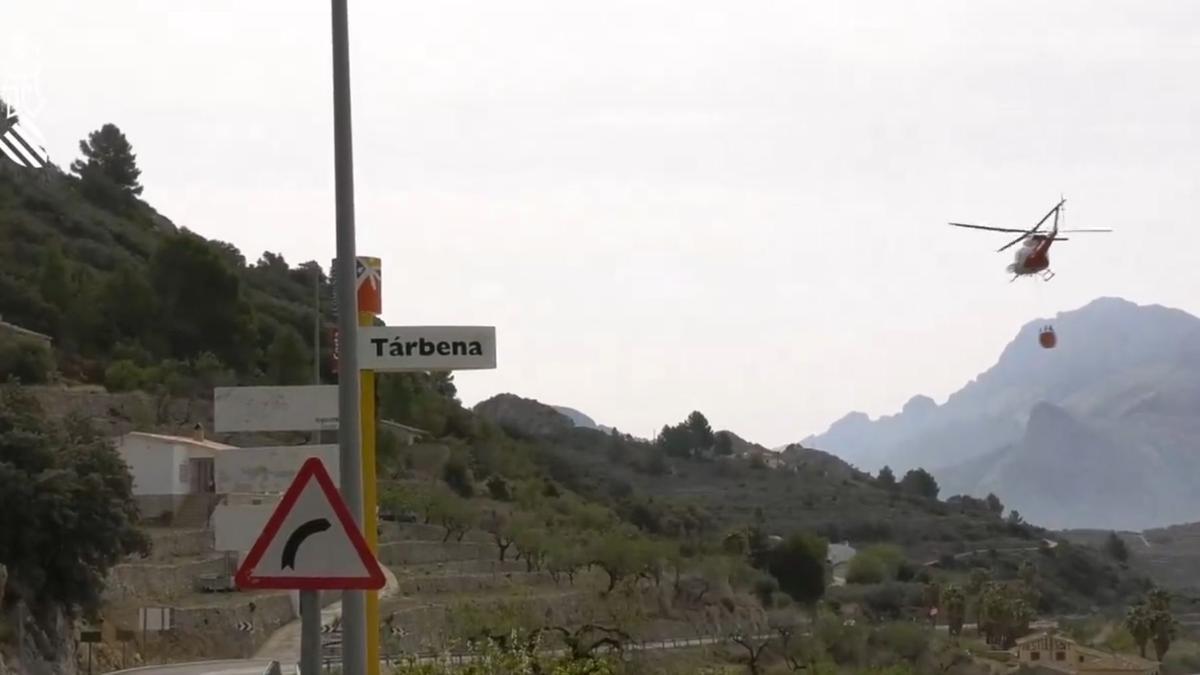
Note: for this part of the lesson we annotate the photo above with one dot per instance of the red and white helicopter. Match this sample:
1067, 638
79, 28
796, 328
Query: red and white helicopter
1034, 255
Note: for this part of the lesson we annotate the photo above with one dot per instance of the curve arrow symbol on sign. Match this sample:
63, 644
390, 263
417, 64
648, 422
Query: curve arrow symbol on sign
293, 543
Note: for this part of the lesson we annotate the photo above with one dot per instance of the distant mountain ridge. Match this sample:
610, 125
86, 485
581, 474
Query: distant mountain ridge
579, 418
1097, 432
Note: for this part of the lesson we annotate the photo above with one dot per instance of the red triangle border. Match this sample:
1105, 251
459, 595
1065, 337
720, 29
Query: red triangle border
312, 468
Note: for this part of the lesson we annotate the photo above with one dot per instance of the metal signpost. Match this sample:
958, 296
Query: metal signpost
353, 614
402, 349
311, 543
368, 280
90, 637
125, 636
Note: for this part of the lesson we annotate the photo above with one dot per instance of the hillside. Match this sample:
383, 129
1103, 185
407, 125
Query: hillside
1095, 433
804, 490
1167, 555
700, 531
111, 280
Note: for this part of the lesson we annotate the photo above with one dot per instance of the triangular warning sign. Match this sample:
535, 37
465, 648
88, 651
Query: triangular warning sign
310, 542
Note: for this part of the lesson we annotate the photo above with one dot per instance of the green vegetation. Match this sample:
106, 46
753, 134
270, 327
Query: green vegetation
121, 290
66, 509
1116, 548
920, 482
25, 360
879, 563
515, 653
689, 527
1151, 621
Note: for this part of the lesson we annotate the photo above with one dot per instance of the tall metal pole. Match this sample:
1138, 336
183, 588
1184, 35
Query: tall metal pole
354, 638
316, 324
310, 633
317, 337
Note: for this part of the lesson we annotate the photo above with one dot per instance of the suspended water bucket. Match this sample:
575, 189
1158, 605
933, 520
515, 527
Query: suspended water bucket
1047, 339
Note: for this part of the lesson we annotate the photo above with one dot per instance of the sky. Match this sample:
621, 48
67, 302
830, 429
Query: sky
667, 205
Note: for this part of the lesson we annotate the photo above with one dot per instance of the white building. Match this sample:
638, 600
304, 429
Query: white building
406, 434
167, 470
838, 558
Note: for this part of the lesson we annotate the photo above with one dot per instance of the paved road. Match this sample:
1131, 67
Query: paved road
238, 667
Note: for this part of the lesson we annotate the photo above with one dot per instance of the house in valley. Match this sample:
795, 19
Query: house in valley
1054, 653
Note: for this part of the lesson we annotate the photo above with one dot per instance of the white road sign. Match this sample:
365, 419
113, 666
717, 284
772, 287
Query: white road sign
311, 542
154, 618
417, 348
269, 469
299, 408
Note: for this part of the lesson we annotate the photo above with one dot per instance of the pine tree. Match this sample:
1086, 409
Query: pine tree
1116, 547
109, 155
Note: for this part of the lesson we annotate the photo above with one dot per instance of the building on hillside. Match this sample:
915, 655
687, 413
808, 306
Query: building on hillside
173, 476
1053, 653
13, 330
407, 435
839, 557
768, 458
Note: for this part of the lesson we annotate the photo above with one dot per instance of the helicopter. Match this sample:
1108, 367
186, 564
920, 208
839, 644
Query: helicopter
1033, 257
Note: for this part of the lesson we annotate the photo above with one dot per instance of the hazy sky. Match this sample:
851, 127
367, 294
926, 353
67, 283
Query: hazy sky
736, 207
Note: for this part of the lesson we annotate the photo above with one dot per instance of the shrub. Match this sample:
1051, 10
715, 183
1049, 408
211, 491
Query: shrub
29, 361
764, 590
908, 641
123, 375
458, 477
886, 601
866, 569
498, 489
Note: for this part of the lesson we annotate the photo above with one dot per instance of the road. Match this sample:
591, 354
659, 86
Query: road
1049, 543
235, 667
284, 644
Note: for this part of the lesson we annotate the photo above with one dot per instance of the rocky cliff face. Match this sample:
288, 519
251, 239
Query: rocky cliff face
38, 643
1094, 433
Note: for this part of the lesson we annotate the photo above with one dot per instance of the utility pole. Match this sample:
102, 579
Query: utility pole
317, 336
354, 638
316, 324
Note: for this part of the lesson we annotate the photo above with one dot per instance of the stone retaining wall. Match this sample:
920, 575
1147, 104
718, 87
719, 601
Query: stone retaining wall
493, 566
471, 583
265, 614
392, 531
167, 544
422, 552
161, 582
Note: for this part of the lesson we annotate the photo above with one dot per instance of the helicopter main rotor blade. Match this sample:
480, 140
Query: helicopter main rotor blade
1041, 222
1090, 229
986, 227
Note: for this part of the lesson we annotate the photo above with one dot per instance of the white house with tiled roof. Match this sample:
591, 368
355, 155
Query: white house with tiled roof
167, 469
